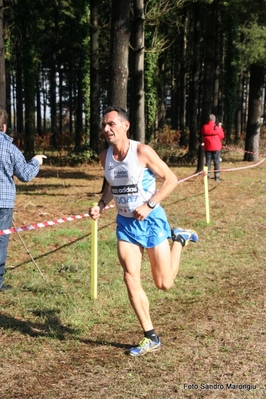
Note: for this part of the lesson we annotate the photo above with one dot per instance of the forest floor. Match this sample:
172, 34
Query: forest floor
59, 343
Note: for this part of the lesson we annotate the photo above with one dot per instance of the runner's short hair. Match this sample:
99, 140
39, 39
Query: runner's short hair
121, 111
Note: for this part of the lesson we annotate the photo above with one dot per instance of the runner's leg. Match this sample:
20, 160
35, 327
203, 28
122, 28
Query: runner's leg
130, 256
165, 263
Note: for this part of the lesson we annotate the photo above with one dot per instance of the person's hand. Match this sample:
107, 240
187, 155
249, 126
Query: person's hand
141, 212
40, 158
95, 212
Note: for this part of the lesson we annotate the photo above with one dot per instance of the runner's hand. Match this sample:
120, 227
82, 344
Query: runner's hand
95, 212
141, 212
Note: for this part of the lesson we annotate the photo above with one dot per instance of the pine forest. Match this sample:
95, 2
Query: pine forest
170, 63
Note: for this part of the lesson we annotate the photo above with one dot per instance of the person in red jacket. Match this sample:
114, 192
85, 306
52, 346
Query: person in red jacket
212, 134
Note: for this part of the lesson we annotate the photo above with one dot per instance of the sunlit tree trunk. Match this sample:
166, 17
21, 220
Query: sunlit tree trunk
254, 113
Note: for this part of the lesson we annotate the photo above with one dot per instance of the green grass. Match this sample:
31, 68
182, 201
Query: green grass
58, 343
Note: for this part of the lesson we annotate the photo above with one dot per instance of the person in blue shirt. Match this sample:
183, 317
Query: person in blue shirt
12, 163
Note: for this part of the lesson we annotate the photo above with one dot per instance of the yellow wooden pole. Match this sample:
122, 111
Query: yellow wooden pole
94, 257
206, 191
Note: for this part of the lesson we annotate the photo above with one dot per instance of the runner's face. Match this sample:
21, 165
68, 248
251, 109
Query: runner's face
114, 127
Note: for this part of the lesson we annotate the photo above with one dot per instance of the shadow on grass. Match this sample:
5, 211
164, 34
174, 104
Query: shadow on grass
66, 174
57, 249
51, 327
187, 197
32, 189
105, 343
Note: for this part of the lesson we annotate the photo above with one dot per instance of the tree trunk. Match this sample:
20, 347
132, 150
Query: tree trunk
44, 99
239, 112
94, 76
161, 110
183, 86
120, 35
78, 127
209, 62
2, 59
53, 102
9, 90
30, 75
195, 79
218, 67
137, 105
174, 88
231, 80
254, 113
53, 85
38, 106
60, 101
19, 90
70, 98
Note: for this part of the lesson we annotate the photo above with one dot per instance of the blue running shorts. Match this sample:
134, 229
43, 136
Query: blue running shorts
153, 230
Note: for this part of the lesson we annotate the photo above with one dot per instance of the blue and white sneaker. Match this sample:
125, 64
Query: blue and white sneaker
146, 345
187, 235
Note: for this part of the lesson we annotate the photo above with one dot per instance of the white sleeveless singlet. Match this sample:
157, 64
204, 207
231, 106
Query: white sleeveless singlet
131, 184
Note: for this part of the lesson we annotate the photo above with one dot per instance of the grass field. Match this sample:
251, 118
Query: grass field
58, 343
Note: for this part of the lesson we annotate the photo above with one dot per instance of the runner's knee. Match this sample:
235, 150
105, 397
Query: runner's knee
163, 285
